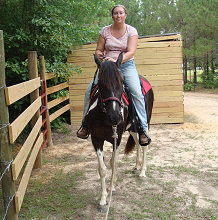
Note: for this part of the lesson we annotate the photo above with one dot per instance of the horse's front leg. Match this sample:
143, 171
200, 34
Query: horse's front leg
138, 156
115, 168
102, 169
138, 151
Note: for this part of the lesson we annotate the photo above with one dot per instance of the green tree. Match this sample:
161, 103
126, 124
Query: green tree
50, 27
196, 20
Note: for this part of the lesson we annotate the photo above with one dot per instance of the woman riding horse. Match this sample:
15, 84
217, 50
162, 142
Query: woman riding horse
114, 39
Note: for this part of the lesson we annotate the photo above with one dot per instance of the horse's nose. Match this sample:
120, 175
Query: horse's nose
114, 118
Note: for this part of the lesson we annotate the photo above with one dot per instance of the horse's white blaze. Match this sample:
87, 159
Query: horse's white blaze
122, 113
102, 172
114, 105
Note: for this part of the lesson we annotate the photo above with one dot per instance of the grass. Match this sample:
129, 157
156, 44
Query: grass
162, 201
210, 84
56, 198
191, 118
61, 198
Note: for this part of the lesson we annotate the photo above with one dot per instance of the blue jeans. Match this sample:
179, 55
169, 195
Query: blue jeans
131, 78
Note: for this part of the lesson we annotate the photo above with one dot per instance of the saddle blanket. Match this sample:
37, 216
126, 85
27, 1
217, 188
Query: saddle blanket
145, 86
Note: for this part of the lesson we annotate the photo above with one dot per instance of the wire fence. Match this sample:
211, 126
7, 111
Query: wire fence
10, 198
1, 203
4, 125
8, 164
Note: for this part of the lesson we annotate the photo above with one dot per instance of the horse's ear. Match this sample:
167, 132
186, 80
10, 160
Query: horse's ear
97, 60
119, 60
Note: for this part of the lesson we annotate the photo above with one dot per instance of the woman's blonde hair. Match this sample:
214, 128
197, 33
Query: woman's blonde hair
112, 11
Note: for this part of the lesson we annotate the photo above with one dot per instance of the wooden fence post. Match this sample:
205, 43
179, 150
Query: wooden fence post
43, 76
33, 73
6, 156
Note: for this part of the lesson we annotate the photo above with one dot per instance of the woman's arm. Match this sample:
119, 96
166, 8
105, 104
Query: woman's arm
131, 48
100, 47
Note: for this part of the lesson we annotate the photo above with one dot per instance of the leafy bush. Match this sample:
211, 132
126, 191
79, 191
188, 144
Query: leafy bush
212, 81
189, 86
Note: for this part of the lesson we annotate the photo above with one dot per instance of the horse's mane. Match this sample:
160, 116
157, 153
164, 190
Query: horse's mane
109, 76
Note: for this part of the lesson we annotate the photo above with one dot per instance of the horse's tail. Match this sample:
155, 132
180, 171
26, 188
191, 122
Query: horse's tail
130, 144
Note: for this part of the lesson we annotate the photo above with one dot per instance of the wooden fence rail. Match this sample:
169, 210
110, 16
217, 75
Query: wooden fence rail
58, 100
12, 94
30, 152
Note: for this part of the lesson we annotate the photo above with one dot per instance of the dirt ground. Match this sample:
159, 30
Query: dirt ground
182, 168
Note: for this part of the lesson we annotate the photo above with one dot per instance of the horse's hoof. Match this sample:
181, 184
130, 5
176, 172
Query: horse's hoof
142, 175
134, 171
103, 208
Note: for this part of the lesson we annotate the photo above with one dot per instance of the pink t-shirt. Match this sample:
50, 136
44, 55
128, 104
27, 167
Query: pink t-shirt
113, 45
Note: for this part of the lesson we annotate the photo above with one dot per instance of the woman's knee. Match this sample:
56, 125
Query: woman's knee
137, 92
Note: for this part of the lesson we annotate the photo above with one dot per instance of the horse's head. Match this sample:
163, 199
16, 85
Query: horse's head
110, 82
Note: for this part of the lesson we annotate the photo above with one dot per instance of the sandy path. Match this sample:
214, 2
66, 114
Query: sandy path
182, 163
203, 106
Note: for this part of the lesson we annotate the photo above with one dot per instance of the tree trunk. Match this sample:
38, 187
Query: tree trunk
6, 156
195, 70
204, 71
207, 66
185, 71
212, 63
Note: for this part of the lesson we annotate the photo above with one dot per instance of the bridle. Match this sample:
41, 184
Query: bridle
108, 99
103, 101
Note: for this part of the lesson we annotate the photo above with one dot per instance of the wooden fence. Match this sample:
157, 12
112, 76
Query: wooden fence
158, 58
59, 100
32, 144
29, 156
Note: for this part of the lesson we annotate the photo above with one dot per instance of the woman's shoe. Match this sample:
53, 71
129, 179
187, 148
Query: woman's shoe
83, 133
144, 139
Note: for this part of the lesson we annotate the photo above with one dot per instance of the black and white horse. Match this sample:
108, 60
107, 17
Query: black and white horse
108, 110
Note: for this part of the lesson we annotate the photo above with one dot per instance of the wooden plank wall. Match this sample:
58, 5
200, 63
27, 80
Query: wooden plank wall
157, 58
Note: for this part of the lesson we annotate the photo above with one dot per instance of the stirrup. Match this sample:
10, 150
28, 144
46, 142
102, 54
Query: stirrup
149, 140
77, 133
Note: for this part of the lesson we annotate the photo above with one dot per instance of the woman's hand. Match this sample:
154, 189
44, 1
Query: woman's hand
110, 59
100, 54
